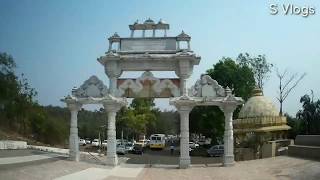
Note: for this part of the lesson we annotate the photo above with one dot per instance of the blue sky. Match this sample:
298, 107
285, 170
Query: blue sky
56, 43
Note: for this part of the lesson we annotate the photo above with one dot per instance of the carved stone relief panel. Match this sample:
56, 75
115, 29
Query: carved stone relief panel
148, 86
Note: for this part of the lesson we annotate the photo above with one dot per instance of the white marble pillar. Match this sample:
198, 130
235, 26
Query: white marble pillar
153, 33
184, 139
110, 46
74, 153
183, 73
228, 157
132, 33
113, 85
111, 110
183, 85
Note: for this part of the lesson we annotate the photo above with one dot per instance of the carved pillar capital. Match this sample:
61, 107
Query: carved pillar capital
112, 107
113, 72
227, 107
74, 106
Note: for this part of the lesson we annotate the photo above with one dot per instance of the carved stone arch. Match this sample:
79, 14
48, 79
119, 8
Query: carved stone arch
207, 87
93, 87
167, 84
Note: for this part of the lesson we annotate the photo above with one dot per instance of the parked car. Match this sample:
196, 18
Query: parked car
193, 145
216, 150
95, 142
201, 142
118, 142
129, 147
137, 149
104, 143
121, 149
88, 141
82, 142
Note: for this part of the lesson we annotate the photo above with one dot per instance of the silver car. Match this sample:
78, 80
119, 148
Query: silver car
217, 150
121, 149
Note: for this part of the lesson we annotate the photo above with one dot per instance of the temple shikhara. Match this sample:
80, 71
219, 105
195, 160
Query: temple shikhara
260, 127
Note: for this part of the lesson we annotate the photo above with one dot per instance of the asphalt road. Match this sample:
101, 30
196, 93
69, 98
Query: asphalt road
164, 157
160, 157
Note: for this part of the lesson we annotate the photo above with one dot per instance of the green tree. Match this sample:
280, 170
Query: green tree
259, 65
297, 126
20, 112
139, 118
310, 114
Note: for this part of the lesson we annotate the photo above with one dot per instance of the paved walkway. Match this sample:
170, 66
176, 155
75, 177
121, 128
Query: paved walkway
33, 167
123, 171
24, 159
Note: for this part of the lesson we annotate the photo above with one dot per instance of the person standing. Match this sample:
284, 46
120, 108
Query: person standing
171, 148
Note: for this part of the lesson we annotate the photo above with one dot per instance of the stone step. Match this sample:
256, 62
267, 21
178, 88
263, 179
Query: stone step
308, 152
307, 140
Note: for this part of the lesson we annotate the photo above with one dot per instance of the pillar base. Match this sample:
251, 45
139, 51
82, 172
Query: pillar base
74, 158
184, 163
228, 161
112, 161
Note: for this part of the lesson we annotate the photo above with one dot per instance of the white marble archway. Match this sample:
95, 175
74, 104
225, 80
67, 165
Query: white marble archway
206, 92
93, 91
152, 54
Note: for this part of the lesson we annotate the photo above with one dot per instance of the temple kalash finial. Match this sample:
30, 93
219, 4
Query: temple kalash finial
228, 91
257, 92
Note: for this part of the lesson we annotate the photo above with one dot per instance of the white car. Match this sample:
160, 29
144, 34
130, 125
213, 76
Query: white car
193, 145
95, 143
82, 142
104, 143
129, 146
121, 149
88, 141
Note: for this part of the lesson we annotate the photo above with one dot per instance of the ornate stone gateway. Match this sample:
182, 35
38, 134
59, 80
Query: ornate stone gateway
151, 54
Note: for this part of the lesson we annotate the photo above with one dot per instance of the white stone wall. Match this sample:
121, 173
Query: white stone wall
13, 144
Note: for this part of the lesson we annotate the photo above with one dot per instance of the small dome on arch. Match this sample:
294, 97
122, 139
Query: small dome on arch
149, 21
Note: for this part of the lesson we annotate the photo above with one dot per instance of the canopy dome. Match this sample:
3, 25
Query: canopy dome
258, 106
149, 21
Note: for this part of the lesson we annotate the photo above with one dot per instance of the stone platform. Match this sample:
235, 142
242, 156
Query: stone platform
306, 146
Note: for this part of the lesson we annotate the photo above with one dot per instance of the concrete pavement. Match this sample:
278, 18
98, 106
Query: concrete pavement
281, 167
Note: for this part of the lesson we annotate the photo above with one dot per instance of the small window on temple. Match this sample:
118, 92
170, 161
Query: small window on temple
148, 33
115, 45
183, 45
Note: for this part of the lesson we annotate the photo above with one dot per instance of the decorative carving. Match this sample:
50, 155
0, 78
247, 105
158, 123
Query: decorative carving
167, 84
129, 84
114, 38
207, 87
93, 87
183, 37
148, 86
